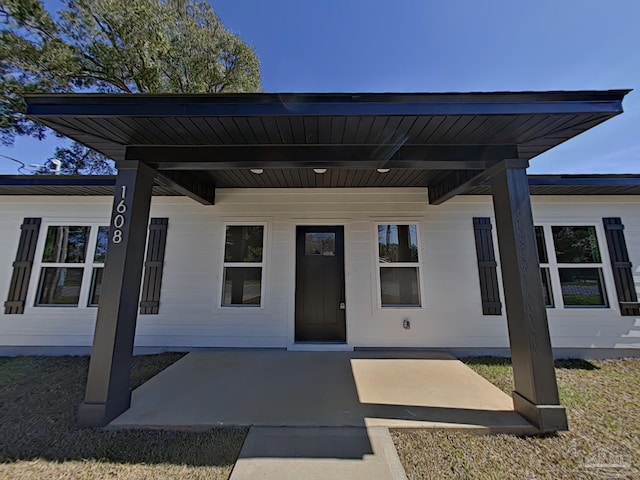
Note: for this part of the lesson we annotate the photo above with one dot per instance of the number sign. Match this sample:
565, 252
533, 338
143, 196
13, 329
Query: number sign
119, 219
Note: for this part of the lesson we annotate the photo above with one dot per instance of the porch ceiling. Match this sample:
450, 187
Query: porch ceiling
440, 140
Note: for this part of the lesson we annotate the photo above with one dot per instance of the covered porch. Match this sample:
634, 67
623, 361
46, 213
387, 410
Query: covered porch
446, 143
275, 388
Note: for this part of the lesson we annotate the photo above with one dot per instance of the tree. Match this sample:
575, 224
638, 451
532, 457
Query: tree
114, 46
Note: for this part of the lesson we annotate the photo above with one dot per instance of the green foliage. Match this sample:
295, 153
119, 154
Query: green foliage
114, 46
244, 243
576, 244
78, 159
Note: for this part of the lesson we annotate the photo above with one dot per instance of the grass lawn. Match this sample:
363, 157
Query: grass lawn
603, 404
39, 398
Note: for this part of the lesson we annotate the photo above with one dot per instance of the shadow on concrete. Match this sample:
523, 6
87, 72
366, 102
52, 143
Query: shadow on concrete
347, 443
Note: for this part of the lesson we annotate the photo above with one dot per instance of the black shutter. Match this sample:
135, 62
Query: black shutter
22, 266
487, 267
150, 298
621, 266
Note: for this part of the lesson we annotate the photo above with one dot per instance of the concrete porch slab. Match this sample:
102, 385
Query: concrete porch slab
321, 389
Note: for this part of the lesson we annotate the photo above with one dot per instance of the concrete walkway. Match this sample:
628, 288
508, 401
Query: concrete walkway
274, 388
283, 453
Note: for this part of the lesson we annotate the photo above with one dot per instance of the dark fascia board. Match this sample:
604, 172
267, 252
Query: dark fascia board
585, 180
613, 181
324, 104
58, 180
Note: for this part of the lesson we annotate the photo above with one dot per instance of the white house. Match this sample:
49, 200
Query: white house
323, 221
438, 288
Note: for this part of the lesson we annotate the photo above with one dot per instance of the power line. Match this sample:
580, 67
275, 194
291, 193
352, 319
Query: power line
23, 165
36, 168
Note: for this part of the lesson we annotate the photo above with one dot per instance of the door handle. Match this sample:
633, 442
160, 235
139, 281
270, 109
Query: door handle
343, 306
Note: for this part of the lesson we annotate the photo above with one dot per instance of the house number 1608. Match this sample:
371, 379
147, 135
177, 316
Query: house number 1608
118, 220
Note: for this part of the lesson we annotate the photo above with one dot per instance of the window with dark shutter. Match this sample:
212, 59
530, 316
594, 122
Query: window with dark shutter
152, 281
487, 267
22, 266
621, 267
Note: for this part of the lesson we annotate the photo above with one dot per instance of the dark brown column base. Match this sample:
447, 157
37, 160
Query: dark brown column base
92, 415
546, 418
99, 414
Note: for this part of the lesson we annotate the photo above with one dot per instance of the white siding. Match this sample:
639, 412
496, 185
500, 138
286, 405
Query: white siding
190, 315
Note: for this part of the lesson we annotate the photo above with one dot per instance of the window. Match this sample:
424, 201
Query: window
544, 267
71, 254
243, 266
570, 257
398, 266
320, 244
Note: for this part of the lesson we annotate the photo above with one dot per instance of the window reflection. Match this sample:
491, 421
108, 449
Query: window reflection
582, 287
399, 286
100, 255
65, 244
59, 286
576, 244
397, 243
242, 286
244, 244
320, 244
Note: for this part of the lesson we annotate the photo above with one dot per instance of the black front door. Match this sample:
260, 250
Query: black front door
320, 307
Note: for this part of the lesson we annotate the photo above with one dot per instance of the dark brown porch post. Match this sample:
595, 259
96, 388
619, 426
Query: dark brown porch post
108, 393
536, 391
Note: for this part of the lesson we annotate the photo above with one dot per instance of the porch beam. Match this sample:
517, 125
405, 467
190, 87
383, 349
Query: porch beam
108, 393
455, 183
536, 391
202, 190
221, 157
459, 182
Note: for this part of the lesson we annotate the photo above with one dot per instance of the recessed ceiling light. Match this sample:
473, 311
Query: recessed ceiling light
320, 170
257, 171
382, 170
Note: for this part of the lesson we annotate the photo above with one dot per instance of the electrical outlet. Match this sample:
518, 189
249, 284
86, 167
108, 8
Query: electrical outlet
406, 324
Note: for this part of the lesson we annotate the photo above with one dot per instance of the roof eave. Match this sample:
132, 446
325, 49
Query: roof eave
41, 106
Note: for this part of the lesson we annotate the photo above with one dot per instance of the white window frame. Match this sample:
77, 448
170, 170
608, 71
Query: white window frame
262, 265
554, 267
417, 265
546, 265
88, 265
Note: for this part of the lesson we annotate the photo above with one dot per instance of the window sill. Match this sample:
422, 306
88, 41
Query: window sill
52, 309
581, 312
235, 307
401, 307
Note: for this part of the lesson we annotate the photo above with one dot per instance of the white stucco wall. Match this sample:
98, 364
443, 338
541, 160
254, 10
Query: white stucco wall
190, 316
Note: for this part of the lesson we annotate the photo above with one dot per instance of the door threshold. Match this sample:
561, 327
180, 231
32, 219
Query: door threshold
320, 347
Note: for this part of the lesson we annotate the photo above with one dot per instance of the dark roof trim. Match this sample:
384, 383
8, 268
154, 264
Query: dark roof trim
600, 180
69, 185
58, 180
102, 185
324, 104
578, 184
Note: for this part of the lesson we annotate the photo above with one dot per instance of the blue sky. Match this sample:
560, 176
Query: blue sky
447, 45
